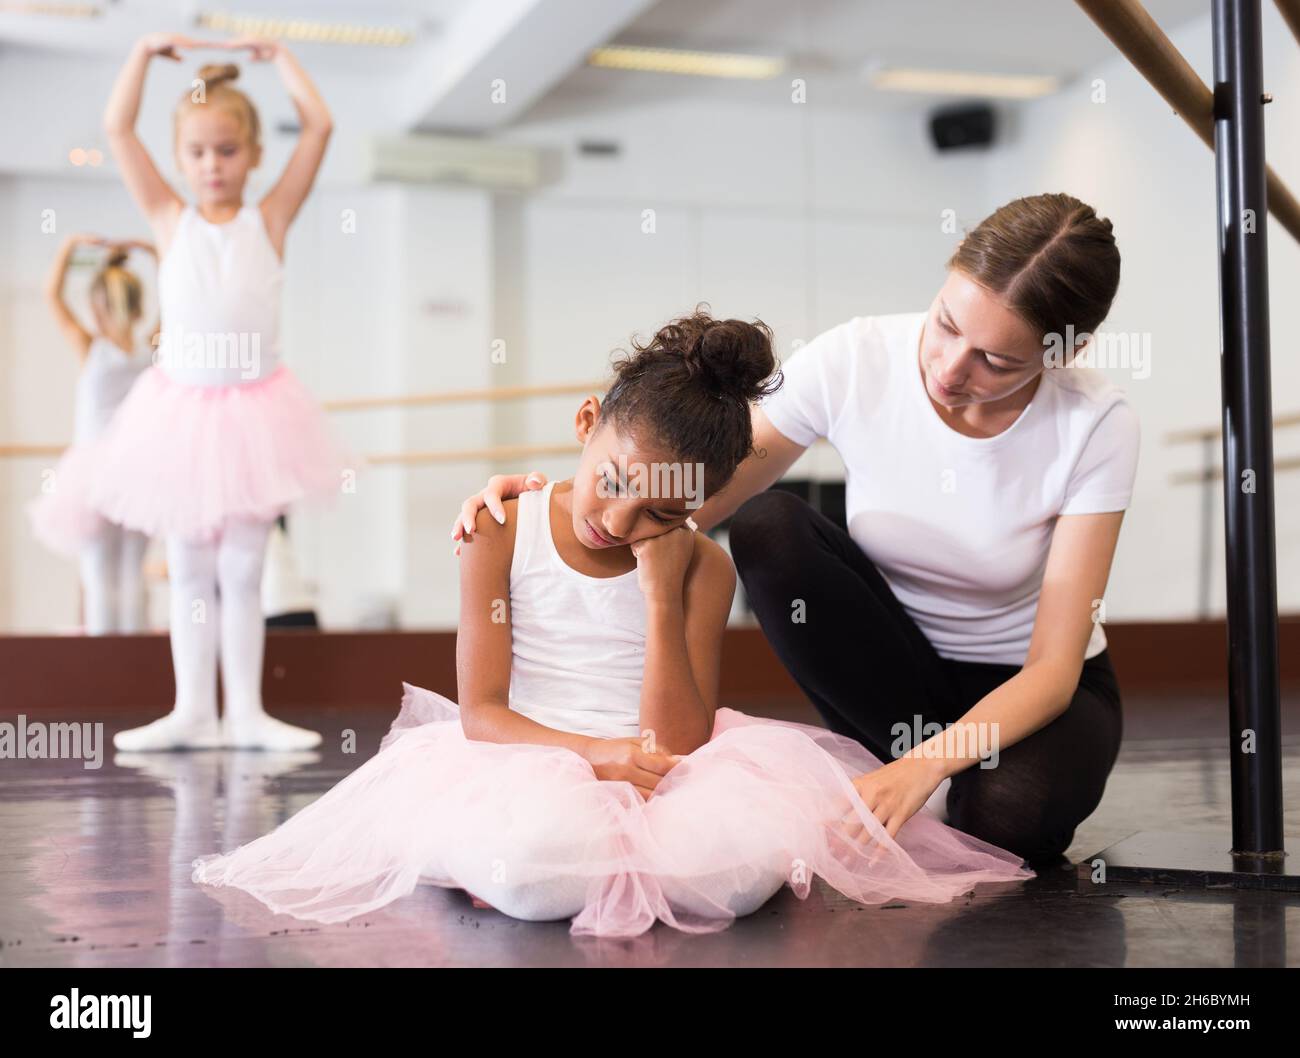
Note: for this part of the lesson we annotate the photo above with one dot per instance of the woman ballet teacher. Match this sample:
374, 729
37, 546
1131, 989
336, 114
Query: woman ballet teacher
987, 474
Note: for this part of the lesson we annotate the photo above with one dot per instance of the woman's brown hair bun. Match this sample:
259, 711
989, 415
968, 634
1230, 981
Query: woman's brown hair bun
1050, 256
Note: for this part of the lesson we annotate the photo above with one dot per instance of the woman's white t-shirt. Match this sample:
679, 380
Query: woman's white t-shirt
958, 526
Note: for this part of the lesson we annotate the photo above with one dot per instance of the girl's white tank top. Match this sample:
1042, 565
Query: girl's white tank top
219, 290
106, 378
577, 642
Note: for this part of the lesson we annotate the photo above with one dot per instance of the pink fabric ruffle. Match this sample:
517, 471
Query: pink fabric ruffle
181, 459
61, 518
531, 831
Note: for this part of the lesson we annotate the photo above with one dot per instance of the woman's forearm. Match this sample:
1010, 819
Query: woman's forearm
124, 102
671, 706
1014, 710
313, 114
773, 455
496, 722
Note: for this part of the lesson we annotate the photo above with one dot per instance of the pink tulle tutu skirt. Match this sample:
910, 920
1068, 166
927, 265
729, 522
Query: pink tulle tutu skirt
61, 518
179, 459
531, 831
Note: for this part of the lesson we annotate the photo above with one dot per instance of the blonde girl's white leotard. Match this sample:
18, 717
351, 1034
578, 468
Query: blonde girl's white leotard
106, 378
219, 286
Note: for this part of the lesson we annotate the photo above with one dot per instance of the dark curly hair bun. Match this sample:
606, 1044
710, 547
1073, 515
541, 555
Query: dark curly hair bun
731, 357
692, 385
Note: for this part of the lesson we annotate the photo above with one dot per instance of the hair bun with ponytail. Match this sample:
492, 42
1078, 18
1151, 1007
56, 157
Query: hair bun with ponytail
216, 73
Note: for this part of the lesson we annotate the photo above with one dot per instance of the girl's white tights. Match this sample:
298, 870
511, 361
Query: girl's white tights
112, 581
216, 609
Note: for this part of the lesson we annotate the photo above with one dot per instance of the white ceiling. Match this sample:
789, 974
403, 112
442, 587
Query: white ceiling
123, 21
540, 45
830, 42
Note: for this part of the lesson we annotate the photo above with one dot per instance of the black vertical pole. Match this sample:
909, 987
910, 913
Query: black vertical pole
1253, 692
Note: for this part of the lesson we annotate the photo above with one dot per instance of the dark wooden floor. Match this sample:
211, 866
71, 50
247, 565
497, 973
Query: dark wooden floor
96, 872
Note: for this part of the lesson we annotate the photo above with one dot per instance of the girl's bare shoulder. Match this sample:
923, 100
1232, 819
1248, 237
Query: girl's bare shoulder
493, 538
710, 564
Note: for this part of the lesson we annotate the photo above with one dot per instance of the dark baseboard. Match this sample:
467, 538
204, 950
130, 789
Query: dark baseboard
307, 667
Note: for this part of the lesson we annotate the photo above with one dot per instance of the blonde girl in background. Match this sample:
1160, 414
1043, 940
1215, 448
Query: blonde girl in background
112, 356
219, 437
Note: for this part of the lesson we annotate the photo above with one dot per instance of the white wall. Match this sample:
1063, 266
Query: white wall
797, 217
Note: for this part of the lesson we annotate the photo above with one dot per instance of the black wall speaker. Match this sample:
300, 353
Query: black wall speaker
964, 126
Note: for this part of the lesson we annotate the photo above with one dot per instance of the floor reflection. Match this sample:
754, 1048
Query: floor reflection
96, 872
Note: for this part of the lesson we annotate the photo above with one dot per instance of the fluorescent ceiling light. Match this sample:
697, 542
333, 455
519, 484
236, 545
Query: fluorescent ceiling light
305, 29
694, 63
32, 7
954, 82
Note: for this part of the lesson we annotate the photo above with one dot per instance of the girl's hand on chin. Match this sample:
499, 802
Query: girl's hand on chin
661, 563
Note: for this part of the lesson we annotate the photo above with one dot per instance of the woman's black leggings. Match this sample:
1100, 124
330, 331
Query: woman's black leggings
866, 666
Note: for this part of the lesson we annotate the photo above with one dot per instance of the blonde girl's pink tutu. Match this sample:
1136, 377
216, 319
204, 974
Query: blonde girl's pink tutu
531, 831
61, 518
181, 459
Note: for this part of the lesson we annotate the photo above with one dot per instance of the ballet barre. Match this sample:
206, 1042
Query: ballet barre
1290, 10
1213, 433
496, 453
463, 455
1231, 120
1140, 39
409, 400
1192, 477
30, 451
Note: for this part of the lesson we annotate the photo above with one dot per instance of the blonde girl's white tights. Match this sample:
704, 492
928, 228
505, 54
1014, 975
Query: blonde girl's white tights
112, 581
216, 613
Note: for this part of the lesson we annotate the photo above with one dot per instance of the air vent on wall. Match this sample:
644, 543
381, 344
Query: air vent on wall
454, 160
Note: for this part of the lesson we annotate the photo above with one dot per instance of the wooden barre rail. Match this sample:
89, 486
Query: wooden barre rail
558, 389
1140, 39
1291, 14
443, 455
448, 455
1193, 477
1210, 433
30, 451
456, 455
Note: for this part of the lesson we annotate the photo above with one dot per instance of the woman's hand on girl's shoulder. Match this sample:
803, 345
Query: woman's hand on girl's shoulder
499, 488
493, 532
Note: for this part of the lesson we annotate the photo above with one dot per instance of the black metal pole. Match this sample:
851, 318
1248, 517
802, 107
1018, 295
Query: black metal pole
1253, 691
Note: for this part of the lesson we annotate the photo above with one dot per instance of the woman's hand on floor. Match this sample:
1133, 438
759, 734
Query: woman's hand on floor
894, 793
625, 760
